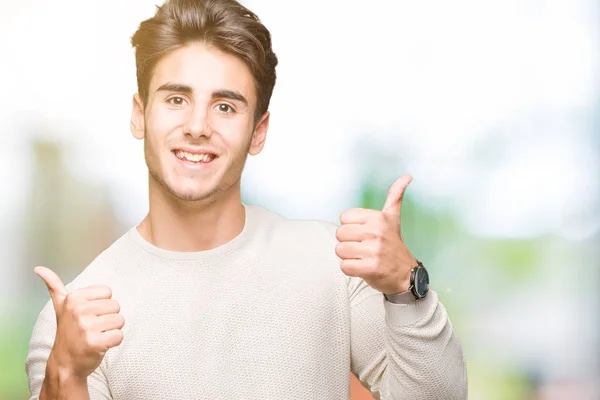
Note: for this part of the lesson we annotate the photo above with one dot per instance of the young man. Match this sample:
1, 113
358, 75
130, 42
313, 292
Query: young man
210, 298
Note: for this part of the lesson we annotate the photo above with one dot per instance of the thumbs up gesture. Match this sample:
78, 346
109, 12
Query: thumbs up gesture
88, 323
371, 244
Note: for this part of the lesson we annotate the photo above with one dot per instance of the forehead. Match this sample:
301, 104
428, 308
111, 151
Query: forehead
205, 69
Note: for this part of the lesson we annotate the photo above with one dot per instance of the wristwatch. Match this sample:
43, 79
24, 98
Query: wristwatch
419, 287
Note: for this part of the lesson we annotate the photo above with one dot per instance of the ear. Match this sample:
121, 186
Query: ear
137, 117
259, 135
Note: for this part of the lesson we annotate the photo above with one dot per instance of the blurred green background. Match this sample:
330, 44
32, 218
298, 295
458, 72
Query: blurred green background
492, 106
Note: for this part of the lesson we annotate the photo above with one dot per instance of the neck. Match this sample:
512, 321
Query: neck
175, 225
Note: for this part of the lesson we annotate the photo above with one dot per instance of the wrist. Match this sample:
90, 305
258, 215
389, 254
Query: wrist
403, 285
62, 385
416, 288
61, 374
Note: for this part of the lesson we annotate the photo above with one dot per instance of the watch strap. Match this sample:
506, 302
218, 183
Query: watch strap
401, 298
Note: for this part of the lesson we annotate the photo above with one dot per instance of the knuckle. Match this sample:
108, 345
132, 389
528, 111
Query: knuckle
375, 233
380, 228
373, 227
114, 339
96, 343
369, 233
119, 337
338, 233
348, 215
338, 248
378, 246
75, 307
89, 340
370, 265
116, 305
71, 301
344, 216
345, 267
106, 291
84, 325
79, 309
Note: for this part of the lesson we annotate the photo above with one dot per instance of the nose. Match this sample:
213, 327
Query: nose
197, 124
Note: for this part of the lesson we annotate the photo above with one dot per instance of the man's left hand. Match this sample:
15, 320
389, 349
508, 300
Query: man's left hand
371, 244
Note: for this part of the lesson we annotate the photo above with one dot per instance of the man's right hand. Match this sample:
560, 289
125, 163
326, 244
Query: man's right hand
88, 323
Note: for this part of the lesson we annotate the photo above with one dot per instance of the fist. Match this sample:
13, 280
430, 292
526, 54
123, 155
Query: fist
88, 323
371, 244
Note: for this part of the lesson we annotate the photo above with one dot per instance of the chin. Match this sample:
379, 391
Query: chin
184, 191
193, 195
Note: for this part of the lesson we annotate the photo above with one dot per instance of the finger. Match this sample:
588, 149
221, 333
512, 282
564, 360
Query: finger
94, 292
352, 233
346, 250
358, 215
108, 322
356, 267
104, 306
111, 338
393, 202
55, 286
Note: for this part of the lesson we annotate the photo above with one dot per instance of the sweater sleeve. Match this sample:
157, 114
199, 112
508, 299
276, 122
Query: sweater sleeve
40, 345
404, 351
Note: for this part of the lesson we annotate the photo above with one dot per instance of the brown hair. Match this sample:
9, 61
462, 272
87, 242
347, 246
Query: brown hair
225, 24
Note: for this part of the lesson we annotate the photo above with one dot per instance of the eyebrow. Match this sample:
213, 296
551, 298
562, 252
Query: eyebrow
218, 94
175, 87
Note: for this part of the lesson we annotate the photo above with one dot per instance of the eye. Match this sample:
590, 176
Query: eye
226, 108
176, 101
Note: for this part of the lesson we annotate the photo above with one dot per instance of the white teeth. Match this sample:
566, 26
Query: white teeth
184, 155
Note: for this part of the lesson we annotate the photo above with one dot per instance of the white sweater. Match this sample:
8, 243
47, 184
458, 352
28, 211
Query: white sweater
268, 315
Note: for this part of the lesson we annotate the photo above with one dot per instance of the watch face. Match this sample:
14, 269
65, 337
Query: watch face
421, 281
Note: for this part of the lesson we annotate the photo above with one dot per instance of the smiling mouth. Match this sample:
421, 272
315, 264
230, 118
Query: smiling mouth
194, 158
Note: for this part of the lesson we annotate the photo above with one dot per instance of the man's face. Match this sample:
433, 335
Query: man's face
198, 124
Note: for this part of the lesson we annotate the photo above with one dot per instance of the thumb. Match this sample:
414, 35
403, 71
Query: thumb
393, 202
56, 288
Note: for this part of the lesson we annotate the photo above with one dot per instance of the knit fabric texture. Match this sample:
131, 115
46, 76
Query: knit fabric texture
268, 315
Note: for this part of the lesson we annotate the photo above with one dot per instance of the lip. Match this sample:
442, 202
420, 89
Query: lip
193, 165
195, 150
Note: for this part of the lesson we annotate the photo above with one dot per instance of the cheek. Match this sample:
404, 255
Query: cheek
160, 122
235, 133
